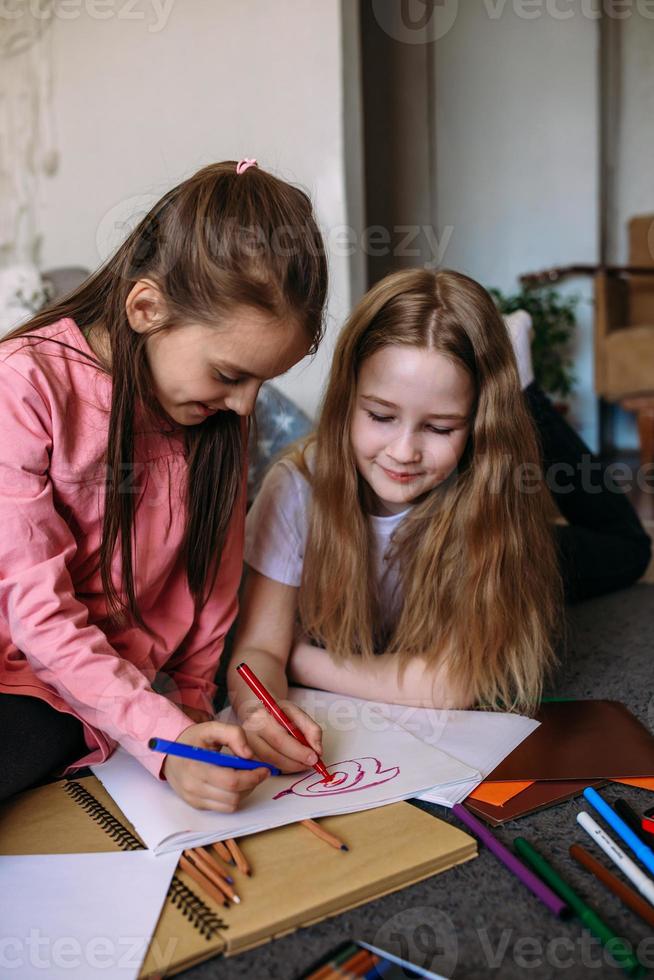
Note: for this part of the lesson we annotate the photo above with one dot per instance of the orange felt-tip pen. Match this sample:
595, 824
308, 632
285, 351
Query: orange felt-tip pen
271, 706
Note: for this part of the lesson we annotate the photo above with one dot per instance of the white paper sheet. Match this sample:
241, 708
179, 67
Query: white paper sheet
481, 739
80, 916
376, 762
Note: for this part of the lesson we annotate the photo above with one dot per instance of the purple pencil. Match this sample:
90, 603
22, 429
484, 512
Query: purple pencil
513, 863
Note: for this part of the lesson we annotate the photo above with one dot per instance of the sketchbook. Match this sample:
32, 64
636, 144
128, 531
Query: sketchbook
374, 761
479, 739
391, 847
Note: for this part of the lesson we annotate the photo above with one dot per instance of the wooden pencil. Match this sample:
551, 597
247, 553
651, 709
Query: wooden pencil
239, 857
366, 966
215, 862
323, 834
220, 849
214, 877
358, 965
330, 969
189, 868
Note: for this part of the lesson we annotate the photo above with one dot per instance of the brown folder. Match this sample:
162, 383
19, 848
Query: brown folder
582, 741
297, 879
536, 797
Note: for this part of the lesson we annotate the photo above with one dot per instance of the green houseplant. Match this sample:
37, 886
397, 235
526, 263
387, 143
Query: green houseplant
554, 320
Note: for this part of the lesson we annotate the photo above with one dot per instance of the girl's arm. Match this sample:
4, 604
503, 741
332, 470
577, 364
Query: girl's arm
264, 640
422, 685
46, 619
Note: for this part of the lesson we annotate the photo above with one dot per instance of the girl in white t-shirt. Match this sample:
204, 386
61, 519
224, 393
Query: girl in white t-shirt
404, 553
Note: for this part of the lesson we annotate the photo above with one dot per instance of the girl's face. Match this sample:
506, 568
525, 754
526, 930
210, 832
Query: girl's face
411, 421
199, 369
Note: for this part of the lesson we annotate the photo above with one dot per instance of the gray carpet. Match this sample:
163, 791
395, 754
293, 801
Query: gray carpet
476, 921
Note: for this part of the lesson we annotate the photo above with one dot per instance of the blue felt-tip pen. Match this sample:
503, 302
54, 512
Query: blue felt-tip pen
644, 854
207, 755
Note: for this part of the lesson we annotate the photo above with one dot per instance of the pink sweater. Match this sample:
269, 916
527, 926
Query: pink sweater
55, 642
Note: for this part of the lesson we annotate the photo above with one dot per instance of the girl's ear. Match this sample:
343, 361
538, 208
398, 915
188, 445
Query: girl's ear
144, 306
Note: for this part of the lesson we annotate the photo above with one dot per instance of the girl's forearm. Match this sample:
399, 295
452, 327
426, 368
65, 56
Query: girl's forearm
268, 669
420, 686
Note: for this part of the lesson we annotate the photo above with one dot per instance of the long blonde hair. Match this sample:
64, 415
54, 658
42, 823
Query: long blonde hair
476, 558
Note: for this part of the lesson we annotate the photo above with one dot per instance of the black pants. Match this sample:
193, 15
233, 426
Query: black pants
35, 742
603, 547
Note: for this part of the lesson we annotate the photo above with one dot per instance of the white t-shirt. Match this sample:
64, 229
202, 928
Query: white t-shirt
276, 534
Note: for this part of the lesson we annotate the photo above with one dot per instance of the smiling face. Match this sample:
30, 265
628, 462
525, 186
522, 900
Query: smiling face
411, 421
201, 368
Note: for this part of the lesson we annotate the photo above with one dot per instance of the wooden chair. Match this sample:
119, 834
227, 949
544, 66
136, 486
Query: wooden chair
623, 333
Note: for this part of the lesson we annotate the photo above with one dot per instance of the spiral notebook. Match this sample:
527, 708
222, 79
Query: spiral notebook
391, 847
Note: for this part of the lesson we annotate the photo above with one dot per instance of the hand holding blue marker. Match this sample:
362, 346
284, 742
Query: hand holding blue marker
208, 755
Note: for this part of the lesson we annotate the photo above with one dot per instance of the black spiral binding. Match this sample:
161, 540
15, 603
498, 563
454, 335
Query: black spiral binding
111, 826
203, 918
193, 908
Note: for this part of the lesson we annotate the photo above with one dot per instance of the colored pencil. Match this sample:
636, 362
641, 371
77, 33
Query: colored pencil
323, 834
329, 969
361, 964
215, 862
208, 869
524, 874
624, 892
221, 849
189, 868
352, 966
404, 964
239, 857
273, 708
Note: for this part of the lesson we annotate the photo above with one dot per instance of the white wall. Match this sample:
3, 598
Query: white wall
516, 145
142, 103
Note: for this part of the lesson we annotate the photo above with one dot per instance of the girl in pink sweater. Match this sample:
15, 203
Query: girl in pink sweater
124, 411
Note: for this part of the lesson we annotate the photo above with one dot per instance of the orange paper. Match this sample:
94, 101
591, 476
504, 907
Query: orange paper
498, 793
646, 783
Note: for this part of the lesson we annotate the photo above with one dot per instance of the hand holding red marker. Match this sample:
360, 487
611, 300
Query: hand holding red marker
273, 708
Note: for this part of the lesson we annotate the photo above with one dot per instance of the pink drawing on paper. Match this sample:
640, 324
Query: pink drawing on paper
350, 776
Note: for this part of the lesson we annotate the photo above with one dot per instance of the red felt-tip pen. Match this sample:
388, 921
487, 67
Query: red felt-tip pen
271, 705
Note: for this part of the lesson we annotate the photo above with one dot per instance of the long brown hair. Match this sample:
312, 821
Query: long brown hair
211, 244
479, 581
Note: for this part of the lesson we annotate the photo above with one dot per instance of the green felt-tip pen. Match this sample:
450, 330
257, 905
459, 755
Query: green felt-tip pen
619, 949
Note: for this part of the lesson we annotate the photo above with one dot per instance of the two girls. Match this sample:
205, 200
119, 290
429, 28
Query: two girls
397, 555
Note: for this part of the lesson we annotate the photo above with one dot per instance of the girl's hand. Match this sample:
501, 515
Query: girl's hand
208, 787
272, 743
